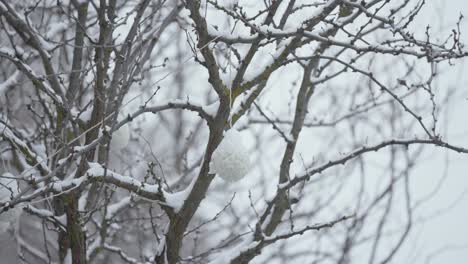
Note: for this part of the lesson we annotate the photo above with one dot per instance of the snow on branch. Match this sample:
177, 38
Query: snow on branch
32, 158
123, 256
149, 191
31, 36
11, 81
37, 80
308, 31
46, 215
115, 208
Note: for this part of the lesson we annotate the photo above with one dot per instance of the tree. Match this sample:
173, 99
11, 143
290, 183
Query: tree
113, 112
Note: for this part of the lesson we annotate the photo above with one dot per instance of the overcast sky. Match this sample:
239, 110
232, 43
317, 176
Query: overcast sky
444, 238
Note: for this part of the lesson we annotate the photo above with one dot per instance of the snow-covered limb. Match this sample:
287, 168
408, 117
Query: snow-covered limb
37, 42
54, 30
56, 187
93, 247
123, 255
271, 30
42, 213
306, 30
95, 173
149, 191
33, 38
84, 114
12, 80
212, 108
46, 215
37, 80
113, 209
128, 183
32, 158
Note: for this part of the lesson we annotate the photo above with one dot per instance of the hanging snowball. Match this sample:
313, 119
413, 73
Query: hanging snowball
9, 219
231, 160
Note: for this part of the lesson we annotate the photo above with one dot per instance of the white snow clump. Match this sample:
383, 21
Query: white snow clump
231, 160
